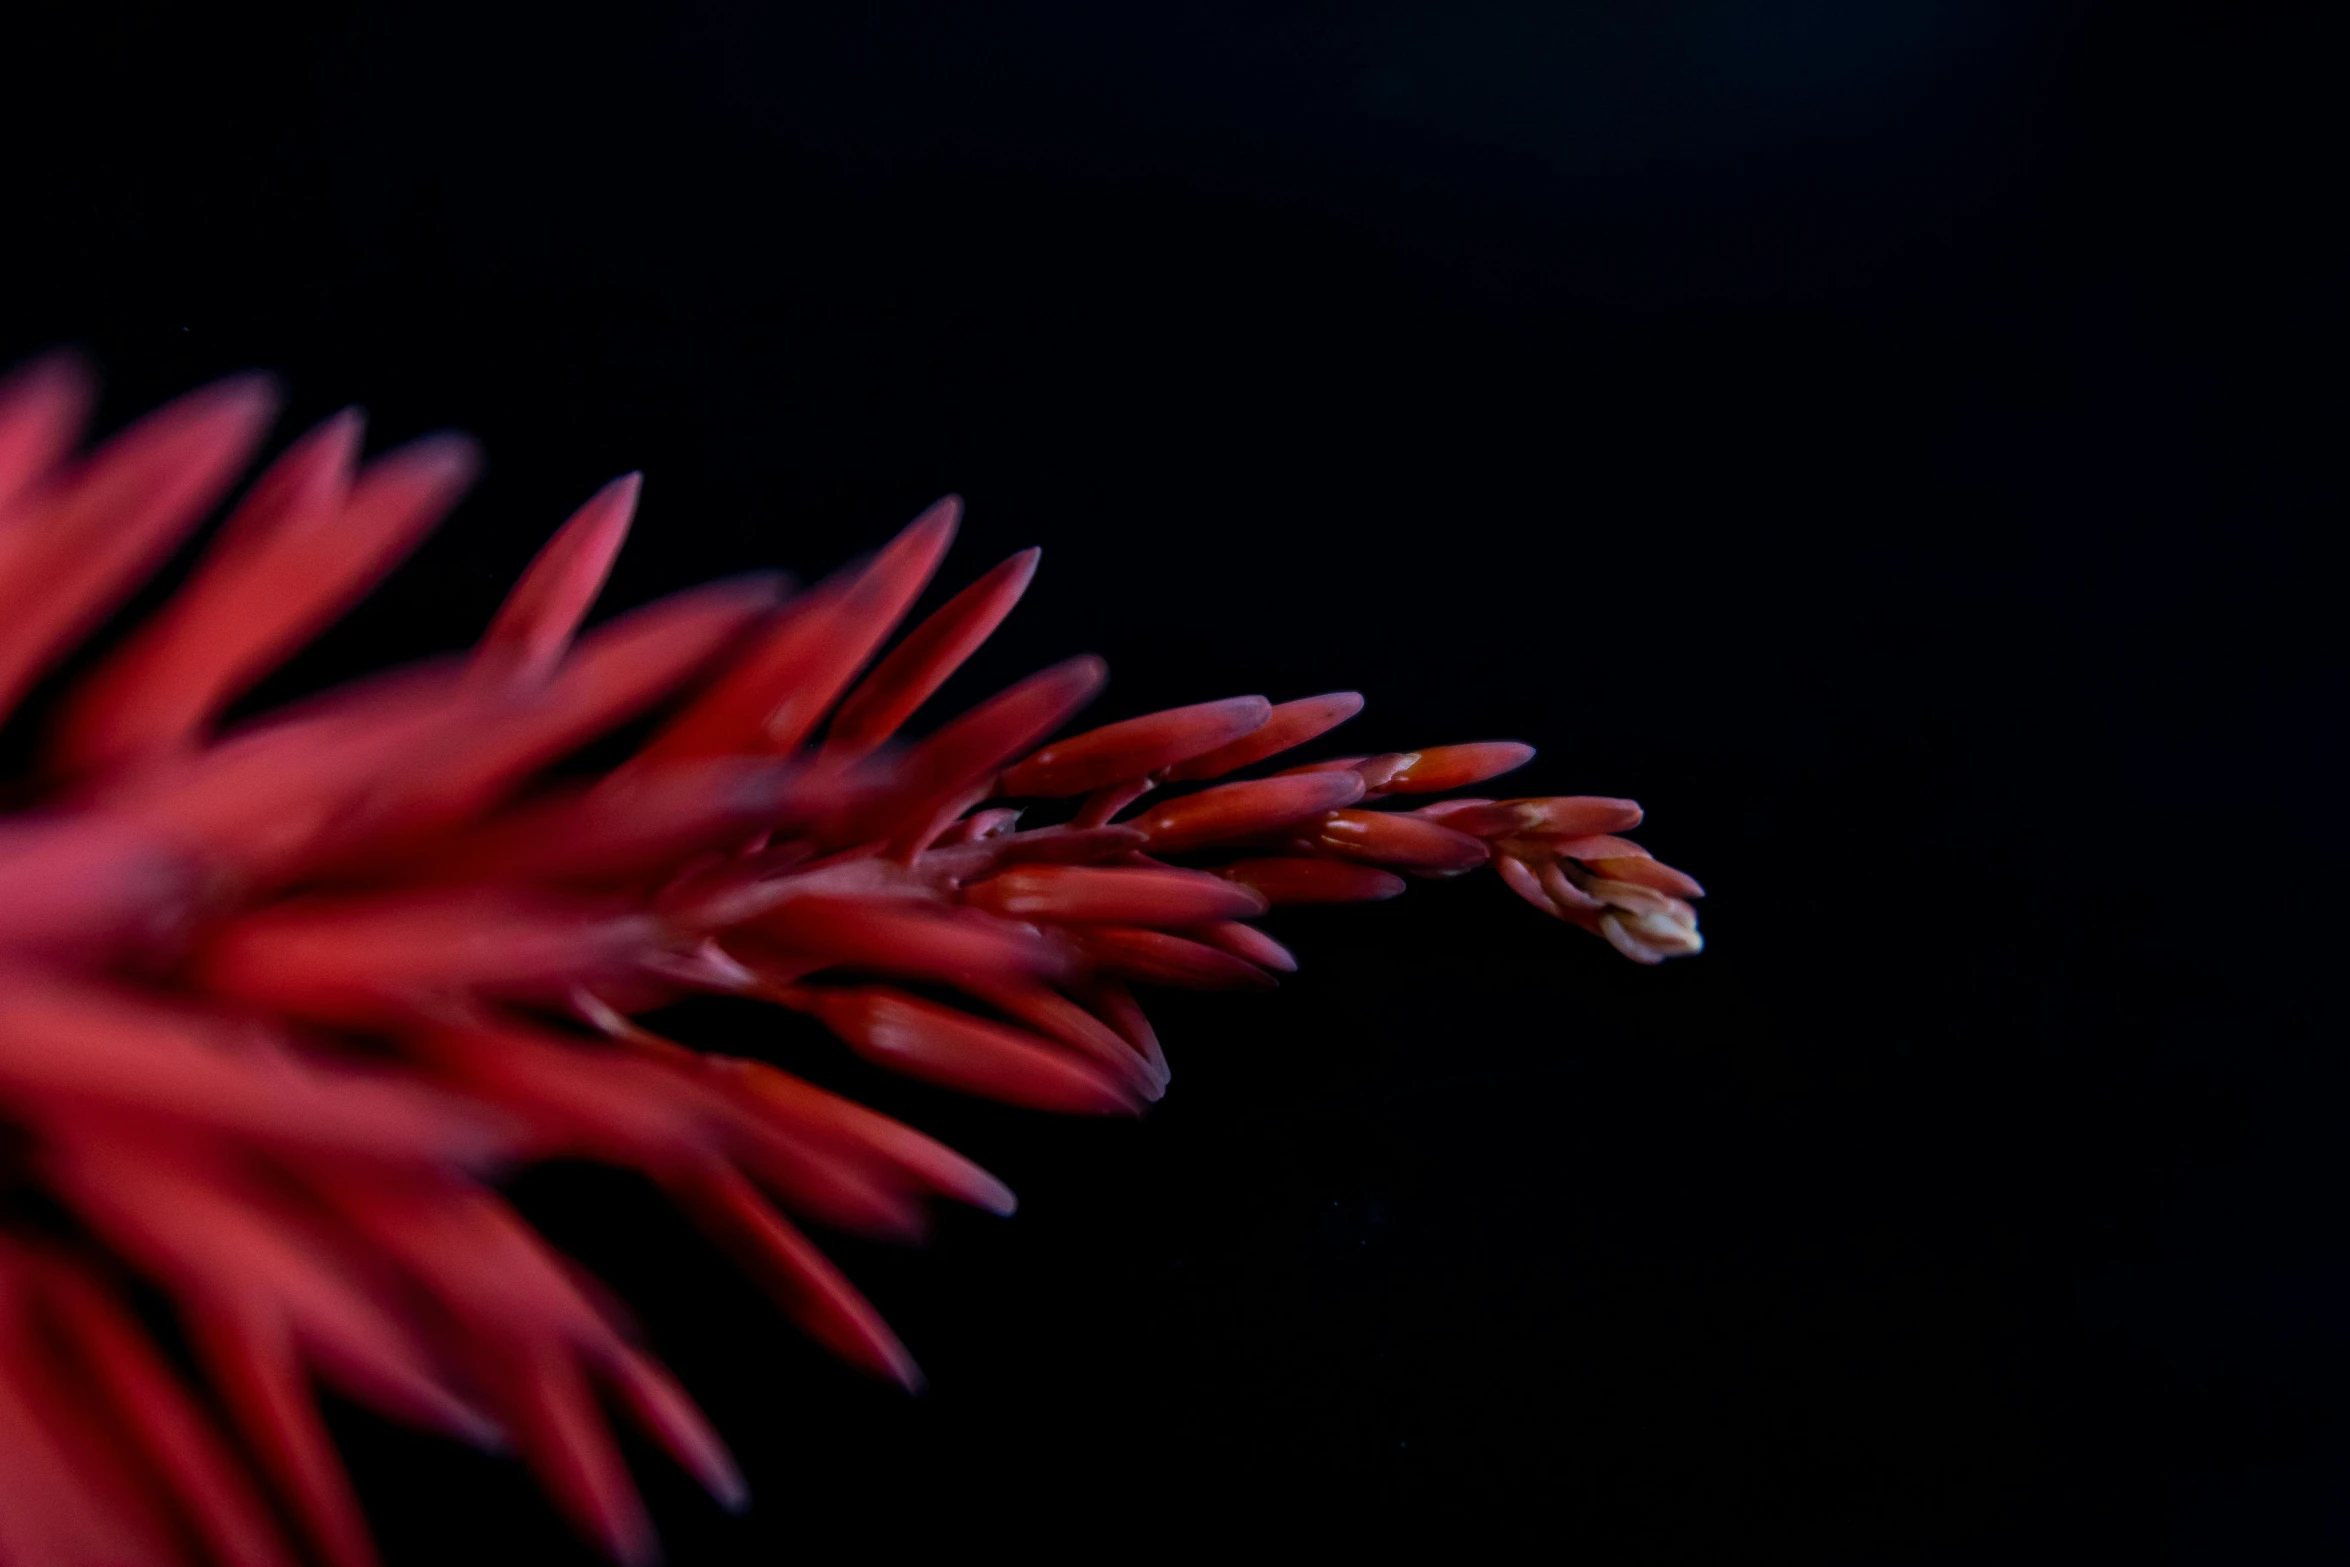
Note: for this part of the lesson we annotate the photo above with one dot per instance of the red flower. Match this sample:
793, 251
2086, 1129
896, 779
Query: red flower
277, 1003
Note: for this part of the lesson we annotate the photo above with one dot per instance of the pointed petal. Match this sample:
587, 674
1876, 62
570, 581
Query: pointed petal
1114, 1004
1289, 724
1406, 841
1246, 941
1163, 959
534, 627
1572, 902
1595, 846
1055, 1016
802, 1280
1642, 871
1135, 747
668, 1415
945, 772
1113, 895
931, 652
42, 409
956, 1050
900, 936
114, 522
776, 694
566, 1444
1556, 816
615, 673
1521, 879
1231, 812
1098, 807
252, 1365
172, 1431
1287, 881
1445, 767
807, 1109
305, 545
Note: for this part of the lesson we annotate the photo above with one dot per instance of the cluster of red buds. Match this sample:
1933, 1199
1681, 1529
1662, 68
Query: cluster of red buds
280, 1001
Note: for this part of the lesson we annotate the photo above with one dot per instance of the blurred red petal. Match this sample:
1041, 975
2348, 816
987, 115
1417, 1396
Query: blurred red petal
534, 627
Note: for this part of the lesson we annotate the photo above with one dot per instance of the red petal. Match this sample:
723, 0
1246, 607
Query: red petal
1646, 872
42, 408
806, 1109
78, 1045
900, 936
1162, 959
946, 770
252, 595
945, 1046
114, 522
367, 959
1595, 846
254, 1369
1057, 1017
1521, 879
1246, 941
171, 1430
777, 693
1289, 724
617, 671
1135, 747
1114, 1004
1109, 800
534, 627
662, 1408
1408, 841
1230, 812
1556, 816
1313, 881
918, 666
1457, 766
565, 1442
802, 1280
1113, 895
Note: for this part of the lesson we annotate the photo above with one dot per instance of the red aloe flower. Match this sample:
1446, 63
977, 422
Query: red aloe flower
277, 1003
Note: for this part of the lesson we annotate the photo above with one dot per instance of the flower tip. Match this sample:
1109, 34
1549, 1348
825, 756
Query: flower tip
935, 528
479, 1432
1079, 679
446, 457
61, 376
638, 1547
250, 397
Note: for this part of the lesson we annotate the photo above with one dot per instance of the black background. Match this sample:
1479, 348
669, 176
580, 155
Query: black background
1891, 439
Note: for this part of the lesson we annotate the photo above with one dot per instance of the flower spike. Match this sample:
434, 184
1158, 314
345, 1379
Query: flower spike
204, 935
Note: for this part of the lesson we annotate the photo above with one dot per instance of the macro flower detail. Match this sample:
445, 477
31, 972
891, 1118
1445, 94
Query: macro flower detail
280, 1002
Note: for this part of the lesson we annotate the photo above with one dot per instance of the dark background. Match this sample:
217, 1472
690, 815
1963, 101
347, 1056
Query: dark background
1889, 438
